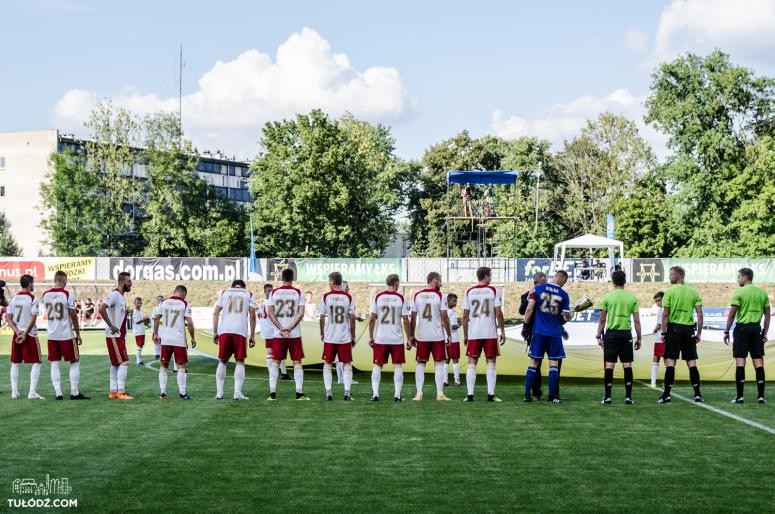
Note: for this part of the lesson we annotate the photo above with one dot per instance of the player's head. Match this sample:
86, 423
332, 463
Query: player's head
335, 279
27, 282
677, 275
619, 278
346, 286
392, 281
539, 278
138, 302
60, 278
159, 299
124, 282
268, 289
287, 275
434, 280
484, 275
239, 283
451, 300
181, 291
560, 277
744, 276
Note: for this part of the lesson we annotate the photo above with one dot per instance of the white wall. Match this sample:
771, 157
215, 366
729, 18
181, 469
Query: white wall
26, 165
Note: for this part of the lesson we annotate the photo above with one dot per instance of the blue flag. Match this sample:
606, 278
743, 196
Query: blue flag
253, 266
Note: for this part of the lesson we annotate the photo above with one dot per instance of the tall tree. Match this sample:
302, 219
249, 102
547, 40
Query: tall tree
322, 188
713, 111
72, 214
598, 167
8, 245
110, 155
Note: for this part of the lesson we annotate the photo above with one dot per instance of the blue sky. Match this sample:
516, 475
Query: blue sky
427, 69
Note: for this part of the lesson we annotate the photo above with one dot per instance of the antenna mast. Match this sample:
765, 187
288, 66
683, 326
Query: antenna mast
180, 95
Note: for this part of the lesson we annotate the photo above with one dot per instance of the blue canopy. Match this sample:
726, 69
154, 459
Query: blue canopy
482, 177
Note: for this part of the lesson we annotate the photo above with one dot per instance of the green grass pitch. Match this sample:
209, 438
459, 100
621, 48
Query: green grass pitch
317, 456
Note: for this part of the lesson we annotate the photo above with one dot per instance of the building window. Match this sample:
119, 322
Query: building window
2, 191
2, 162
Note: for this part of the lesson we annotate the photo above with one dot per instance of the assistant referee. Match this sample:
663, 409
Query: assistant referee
749, 304
616, 309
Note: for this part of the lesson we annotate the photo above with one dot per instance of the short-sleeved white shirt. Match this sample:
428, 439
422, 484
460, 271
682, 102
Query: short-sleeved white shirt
22, 308
337, 307
117, 313
172, 325
454, 325
390, 308
287, 302
480, 301
265, 324
235, 304
429, 304
138, 327
56, 304
658, 335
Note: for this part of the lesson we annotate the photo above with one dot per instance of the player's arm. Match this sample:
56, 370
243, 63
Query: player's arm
76, 324
156, 321
352, 328
636, 324
298, 318
730, 320
700, 321
601, 326
372, 324
466, 315
271, 315
531, 305
665, 317
766, 328
216, 319
405, 324
322, 323
445, 325
501, 322
191, 332
252, 322
412, 326
9, 320
106, 318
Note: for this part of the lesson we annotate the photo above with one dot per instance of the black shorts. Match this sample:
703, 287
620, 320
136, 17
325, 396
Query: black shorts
617, 344
680, 340
747, 339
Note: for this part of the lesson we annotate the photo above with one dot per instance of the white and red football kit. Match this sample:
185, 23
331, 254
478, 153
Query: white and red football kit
337, 307
138, 327
116, 341
481, 302
56, 304
172, 329
429, 331
287, 302
235, 304
265, 325
390, 308
22, 308
453, 350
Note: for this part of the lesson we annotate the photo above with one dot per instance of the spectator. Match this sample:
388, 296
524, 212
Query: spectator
310, 309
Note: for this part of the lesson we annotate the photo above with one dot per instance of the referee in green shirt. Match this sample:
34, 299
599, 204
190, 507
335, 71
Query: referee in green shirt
680, 332
749, 304
616, 309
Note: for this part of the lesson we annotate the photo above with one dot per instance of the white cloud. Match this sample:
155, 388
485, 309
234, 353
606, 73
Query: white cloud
744, 28
563, 121
235, 98
636, 40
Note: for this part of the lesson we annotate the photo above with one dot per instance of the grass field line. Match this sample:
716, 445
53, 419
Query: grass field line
711, 408
154, 368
